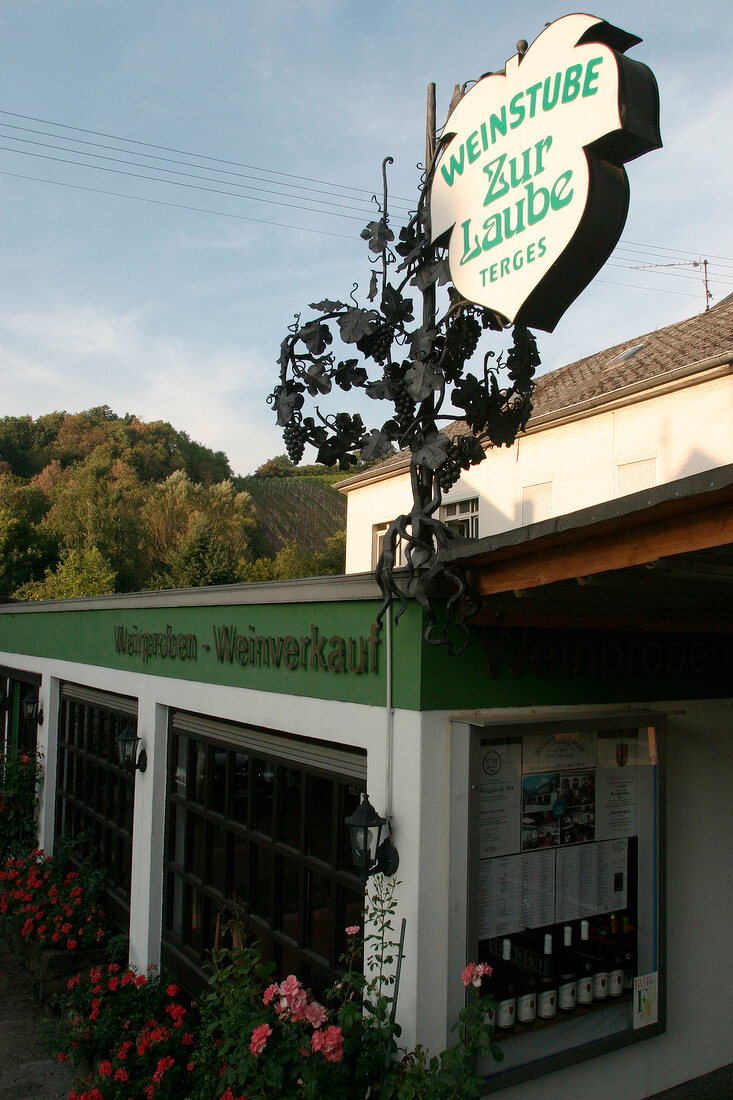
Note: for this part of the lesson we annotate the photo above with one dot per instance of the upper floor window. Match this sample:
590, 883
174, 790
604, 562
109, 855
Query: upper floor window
633, 477
536, 502
379, 530
462, 517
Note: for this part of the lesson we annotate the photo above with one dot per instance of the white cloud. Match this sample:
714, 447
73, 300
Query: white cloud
78, 356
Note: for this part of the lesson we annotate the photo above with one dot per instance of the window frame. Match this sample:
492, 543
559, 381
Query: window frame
264, 861
85, 717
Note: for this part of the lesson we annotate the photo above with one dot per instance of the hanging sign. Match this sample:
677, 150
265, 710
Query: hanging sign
531, 184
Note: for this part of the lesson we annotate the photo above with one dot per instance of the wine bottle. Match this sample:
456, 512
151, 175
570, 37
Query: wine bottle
584, 989
616, 962
503, 989
567, 982
600, 962
526, 985
547, 985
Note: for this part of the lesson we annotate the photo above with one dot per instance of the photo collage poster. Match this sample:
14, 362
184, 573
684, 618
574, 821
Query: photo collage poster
555, 814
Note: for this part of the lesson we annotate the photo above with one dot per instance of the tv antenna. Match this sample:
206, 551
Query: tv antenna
684, 263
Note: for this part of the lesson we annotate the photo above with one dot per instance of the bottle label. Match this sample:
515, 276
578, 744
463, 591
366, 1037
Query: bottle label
491, 1016
505, 1013
615, 983
566, 996
526, 1008
547, 1004
585, 991
600, 985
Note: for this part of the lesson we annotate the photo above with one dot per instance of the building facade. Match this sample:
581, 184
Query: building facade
569, 770
640, 414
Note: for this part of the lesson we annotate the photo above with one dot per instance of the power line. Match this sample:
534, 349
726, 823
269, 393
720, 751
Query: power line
178, 183
177, 206
150, 156
186, 153
170, 171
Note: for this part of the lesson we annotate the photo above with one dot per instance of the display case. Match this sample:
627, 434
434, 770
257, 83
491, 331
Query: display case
562, 842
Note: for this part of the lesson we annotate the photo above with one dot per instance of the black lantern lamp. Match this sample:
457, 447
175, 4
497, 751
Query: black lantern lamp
127, 746
371, 843
31, 708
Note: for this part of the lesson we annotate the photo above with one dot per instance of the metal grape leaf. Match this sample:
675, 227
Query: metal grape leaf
421, 380
422, 342
431, 273
381, 390
377, 443
326, 306
395, 308
355, 324
316, 336
471, 396
288, 398
349, 374
317, 380
373, 287
433, 451
378, 234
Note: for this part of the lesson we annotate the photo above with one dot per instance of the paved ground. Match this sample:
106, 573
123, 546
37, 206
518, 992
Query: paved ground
27, 1072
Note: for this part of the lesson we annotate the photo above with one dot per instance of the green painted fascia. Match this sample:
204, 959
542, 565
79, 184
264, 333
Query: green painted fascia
520, 667
88, 636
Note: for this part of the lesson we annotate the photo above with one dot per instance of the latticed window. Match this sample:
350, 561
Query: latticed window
255, 828
94, 793
462, 517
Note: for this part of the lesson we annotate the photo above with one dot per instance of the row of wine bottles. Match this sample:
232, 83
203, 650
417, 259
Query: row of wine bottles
533, 977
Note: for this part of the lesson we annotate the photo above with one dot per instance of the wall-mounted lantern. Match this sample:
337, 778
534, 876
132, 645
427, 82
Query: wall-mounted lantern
128, 743
31, 708
371, 843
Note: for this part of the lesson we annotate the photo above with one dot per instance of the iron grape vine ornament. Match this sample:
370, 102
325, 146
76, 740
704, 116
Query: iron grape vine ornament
418, 368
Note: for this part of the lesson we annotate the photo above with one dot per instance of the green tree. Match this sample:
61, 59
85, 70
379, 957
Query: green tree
79, 573
291, 562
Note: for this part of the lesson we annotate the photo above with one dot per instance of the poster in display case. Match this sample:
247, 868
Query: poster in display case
564, 884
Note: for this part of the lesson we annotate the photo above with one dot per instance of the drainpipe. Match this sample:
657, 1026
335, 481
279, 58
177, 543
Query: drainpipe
389, 717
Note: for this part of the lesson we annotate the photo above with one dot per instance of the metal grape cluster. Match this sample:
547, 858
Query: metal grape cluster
421, 367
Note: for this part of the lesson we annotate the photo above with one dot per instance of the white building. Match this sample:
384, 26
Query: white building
646, 412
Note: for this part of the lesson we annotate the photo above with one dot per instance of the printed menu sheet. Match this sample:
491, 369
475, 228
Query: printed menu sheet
555, 814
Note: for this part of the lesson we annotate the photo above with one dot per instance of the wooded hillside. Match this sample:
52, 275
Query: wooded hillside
93, 502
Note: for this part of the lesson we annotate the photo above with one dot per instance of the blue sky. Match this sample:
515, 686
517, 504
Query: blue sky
178, 313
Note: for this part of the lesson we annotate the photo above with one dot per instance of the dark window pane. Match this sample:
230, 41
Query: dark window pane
263, 791
262, 880
196, 853
216, 871
288, 896
240, 791
218, 780
198, 778
320, 914
291, 784
320, 817
193, 917
240, 868
180, 765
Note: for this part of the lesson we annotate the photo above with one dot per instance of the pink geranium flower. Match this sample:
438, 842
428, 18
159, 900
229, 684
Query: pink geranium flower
259, 1038
330, 1043
315, 1014
474, 972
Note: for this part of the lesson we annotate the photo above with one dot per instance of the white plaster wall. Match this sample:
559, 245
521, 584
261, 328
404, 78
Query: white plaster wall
687, 430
